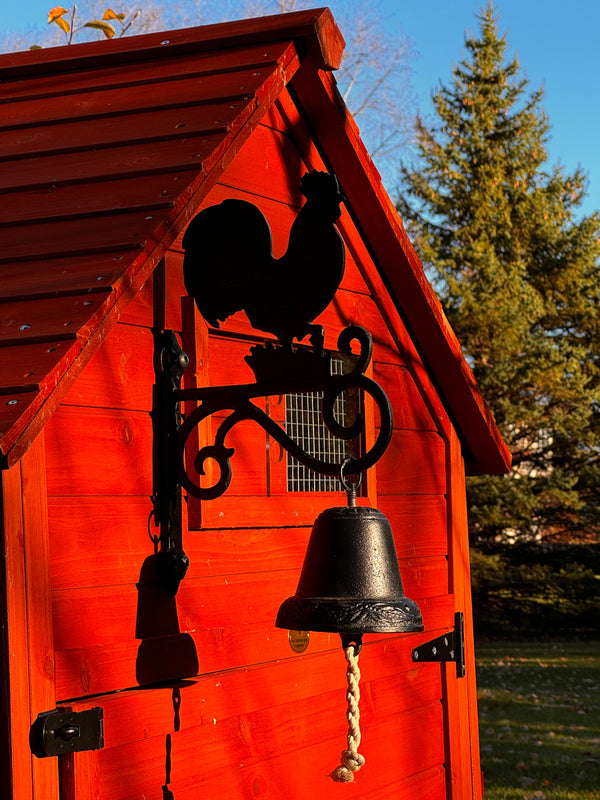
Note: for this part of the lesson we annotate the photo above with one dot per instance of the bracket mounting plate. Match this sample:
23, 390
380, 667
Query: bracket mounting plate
448, 647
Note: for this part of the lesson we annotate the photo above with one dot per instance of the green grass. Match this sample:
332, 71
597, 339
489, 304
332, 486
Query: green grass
539, 712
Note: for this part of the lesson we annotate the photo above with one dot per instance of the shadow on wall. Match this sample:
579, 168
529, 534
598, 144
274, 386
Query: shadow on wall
165, 653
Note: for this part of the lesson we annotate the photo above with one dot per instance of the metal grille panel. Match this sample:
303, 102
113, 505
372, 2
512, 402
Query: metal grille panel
305, 425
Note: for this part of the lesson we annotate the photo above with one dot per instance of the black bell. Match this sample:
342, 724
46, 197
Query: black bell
350, 582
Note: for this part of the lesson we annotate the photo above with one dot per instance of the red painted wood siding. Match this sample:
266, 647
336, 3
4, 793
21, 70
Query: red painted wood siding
252, 719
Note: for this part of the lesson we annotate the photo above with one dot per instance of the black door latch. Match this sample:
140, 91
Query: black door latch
57, 732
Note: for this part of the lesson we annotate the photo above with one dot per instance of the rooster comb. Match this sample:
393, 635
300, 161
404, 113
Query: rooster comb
316, 182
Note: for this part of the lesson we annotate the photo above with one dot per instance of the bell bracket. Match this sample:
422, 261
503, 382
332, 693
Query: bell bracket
278, 374
279, 371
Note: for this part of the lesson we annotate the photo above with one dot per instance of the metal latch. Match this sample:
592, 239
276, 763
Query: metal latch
448, 647
57, 732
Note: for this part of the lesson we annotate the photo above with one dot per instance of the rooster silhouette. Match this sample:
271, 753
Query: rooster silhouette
229, 264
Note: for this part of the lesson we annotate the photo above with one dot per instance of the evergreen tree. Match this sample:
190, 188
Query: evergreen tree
518, 273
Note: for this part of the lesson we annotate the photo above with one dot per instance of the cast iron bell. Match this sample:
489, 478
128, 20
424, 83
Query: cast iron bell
350, 582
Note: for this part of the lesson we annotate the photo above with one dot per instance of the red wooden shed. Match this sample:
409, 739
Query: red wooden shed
108, 150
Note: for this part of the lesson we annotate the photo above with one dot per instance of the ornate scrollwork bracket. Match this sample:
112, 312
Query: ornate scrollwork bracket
278, 371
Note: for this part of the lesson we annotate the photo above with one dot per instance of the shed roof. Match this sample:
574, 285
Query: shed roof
108, 148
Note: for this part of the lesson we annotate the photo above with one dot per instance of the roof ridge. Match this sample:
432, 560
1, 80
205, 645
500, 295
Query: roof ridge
316, 27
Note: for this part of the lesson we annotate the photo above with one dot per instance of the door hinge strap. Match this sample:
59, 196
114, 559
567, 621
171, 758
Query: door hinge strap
448, 647
61, 731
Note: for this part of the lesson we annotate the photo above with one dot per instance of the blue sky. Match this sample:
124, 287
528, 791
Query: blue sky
557, 43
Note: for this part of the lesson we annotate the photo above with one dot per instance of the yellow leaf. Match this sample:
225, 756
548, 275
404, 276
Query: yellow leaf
110, 14
63, 24
99, 25
56, 12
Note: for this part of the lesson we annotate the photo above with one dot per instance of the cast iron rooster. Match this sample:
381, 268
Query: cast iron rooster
229, 264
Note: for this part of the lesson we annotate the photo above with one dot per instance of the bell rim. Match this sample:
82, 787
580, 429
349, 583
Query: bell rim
354, 616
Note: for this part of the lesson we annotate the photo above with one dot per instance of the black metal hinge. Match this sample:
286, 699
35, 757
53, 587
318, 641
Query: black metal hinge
448, 647
57, 732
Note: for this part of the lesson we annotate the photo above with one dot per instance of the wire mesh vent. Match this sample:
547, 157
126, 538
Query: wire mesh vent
305, 425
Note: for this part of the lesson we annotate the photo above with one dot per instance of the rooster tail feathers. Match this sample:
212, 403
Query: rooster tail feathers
224, 244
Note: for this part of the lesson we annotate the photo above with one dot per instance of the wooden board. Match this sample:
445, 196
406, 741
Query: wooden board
62, 275
112, 666
27, 647
29, 321
229, 694
148, 193
419, 523
464, 774
237, 86
127, 231
120, 374
103, 452
84, 617
414, 463
410, 408
315, 28
191, 66
261, 766
82, 556
123, 161
15, 774
25, 367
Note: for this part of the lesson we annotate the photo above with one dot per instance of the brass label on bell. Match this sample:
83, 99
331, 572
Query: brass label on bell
299, 640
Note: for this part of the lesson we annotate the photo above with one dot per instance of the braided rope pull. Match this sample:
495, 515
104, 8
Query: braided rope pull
351, 760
